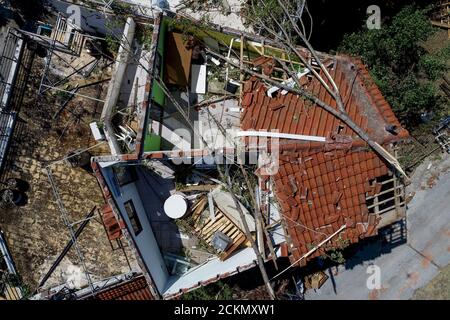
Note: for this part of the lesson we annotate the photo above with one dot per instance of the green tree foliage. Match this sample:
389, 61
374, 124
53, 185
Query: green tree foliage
214, 291
399, 64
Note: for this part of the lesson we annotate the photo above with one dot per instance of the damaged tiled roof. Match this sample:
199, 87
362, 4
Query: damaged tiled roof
292, 114
136, 289
322, 186
320, 192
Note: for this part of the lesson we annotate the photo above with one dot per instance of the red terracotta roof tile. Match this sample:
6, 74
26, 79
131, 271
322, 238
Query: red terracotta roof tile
331, 180
135, 289
112, 226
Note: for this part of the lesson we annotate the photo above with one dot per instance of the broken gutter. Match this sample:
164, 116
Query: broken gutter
116, 82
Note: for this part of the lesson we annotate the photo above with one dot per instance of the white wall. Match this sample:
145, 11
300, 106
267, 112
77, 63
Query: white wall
145, 240
212, 269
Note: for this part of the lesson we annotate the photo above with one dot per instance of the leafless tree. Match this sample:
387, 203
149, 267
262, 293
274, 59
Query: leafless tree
284, 25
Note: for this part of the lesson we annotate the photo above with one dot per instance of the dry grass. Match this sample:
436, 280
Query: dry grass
436, 289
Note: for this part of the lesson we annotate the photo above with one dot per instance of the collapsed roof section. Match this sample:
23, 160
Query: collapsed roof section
324, 186
290, 113
176, 254
330, 186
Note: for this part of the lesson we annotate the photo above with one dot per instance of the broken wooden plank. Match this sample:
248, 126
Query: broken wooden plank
233, 235
198, 205
225, 225
200, 187
211, 223
215, 226
210, 236
233, 247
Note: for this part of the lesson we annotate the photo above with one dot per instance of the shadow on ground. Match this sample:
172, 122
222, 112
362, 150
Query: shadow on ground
250, 285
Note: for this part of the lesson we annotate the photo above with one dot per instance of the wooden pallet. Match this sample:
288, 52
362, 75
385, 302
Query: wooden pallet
221, 223
12, 293
441, 18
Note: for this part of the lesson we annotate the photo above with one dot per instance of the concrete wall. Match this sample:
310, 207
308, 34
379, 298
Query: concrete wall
145, 240
92, 21
147, 246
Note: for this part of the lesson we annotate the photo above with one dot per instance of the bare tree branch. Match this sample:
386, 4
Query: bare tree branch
283, 40
314, 53
341, 115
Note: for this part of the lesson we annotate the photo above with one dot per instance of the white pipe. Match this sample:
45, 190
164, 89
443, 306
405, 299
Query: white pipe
310, 251
279, 135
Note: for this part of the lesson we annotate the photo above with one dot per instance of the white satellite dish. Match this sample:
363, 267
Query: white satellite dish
175, 206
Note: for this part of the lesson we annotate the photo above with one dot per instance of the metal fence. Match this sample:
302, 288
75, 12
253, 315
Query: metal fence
7, 124
10, 284
10, 65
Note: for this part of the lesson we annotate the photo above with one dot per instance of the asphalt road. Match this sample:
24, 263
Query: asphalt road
408, 266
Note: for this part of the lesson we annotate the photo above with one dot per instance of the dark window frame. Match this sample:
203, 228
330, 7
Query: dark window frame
133, 217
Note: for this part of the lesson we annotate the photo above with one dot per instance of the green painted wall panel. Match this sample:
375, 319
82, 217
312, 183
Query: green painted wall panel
152, 142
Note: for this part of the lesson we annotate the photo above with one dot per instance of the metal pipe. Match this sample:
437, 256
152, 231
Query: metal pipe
67, 247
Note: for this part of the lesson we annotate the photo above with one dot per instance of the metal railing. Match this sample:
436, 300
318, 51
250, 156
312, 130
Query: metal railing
9, 65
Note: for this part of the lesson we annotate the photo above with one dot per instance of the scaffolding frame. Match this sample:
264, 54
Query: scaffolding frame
441, 16
54, 44
57, 34
10, 62
70, 226
66, 38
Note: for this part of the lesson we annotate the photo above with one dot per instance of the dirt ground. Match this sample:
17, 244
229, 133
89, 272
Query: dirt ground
35, 231
437, 41
437, 289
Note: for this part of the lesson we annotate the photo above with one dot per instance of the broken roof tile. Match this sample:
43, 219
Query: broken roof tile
332, 177
135, 289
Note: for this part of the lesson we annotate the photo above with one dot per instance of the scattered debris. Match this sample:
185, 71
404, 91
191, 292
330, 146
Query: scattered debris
432, 180
190, 227
442, 134
315, 280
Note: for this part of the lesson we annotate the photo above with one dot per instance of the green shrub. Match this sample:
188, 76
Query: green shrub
398, 63
214, 291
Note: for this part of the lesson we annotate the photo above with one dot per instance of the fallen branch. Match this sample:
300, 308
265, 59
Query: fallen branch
228, 186
306, 255
343, 116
